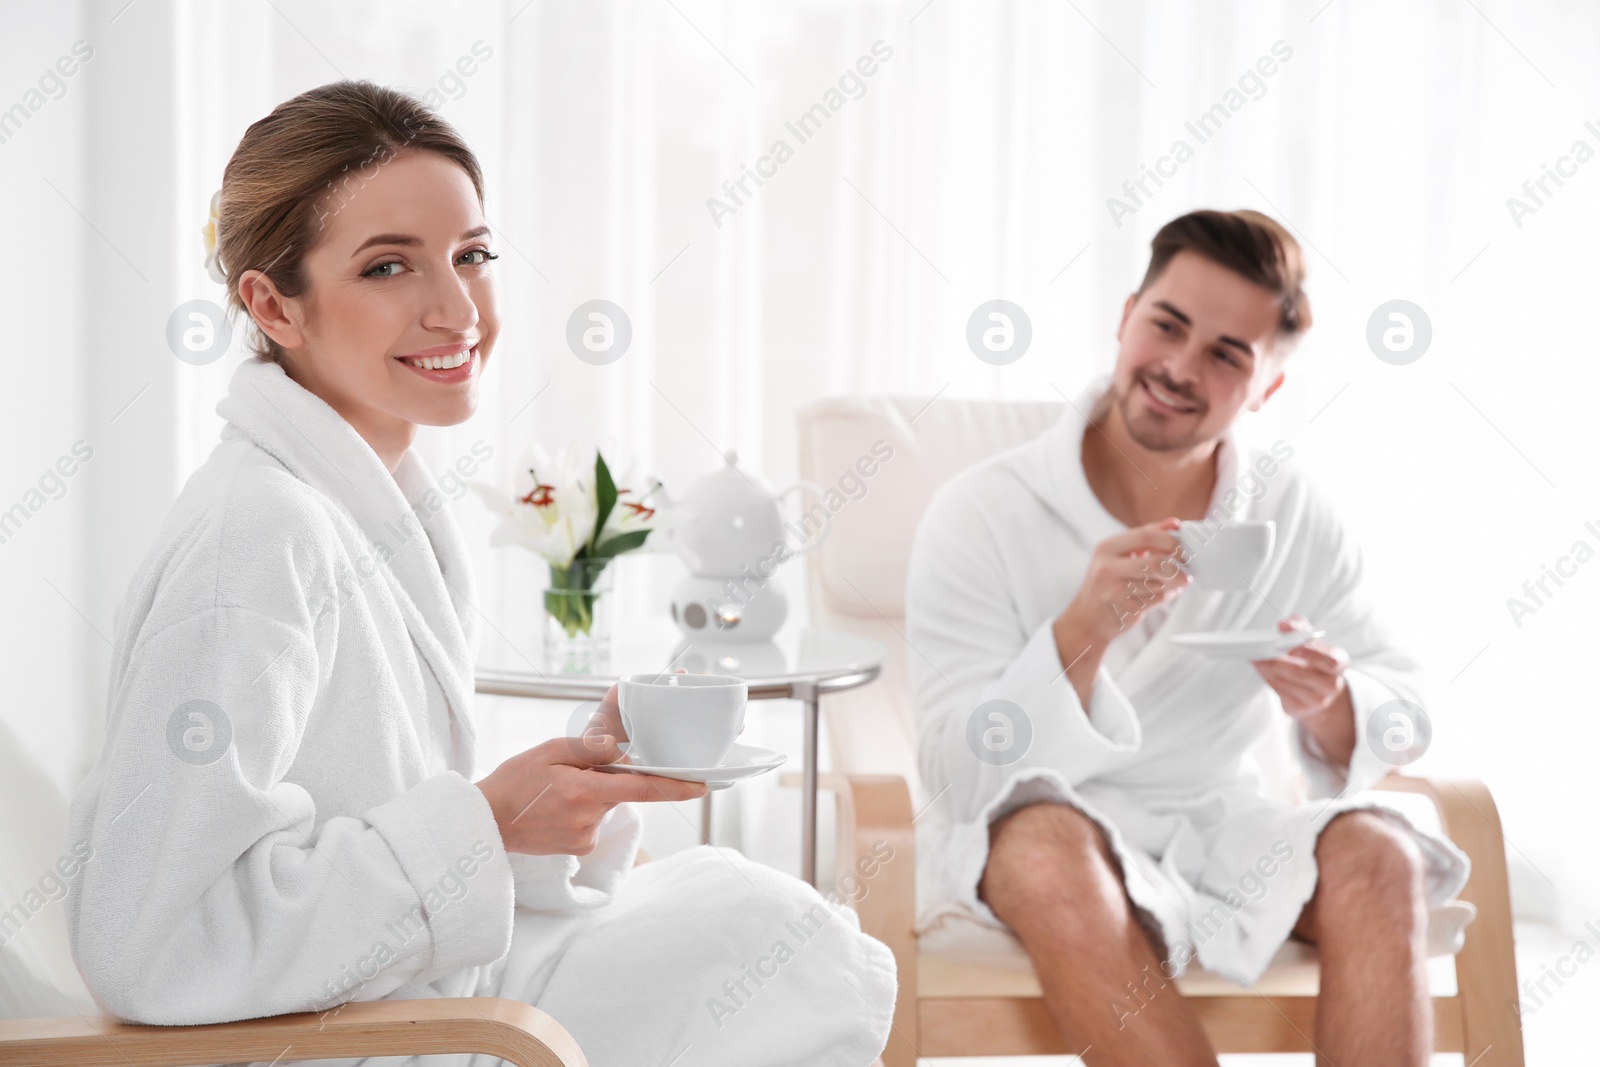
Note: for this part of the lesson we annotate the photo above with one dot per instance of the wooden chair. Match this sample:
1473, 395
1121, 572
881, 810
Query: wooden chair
515, 1032
983, 999
37, 975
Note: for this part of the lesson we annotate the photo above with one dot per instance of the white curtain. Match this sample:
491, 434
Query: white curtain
977, 161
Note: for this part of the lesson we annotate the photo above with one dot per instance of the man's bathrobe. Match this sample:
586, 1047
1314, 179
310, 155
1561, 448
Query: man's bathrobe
1162, 759
283, 817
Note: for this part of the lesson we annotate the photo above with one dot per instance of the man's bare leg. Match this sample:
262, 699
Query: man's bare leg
1369, 921
1052, 878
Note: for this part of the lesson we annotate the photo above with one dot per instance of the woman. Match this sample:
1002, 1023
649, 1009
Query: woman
283, 817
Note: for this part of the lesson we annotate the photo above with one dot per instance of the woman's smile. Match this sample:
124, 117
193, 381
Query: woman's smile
445, 363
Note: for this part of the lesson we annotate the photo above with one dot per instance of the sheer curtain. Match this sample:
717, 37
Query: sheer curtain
979, 159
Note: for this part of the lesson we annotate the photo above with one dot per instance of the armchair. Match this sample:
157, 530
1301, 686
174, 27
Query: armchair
38, 979
970, 992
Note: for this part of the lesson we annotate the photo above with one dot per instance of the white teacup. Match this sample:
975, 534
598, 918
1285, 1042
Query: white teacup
1226, 556
681, 720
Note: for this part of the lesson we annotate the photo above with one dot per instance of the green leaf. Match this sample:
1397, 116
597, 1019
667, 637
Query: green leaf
605, 496
623, 542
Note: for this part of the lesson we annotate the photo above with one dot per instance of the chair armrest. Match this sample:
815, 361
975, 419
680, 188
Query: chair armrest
1470, 819
1486, 966
516, 1032
875, 810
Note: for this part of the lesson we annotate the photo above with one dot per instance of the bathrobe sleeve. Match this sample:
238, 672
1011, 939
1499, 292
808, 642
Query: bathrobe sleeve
993, 703
1379, 674
218, 891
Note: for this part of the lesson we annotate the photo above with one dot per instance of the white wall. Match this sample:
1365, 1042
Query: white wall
989, 145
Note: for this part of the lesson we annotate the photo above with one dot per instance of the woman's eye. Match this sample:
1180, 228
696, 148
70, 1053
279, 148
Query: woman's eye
381, 270
1164, 327
1227, 357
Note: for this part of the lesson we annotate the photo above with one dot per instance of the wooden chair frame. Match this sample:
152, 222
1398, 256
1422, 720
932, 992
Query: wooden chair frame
934, 1018
518, 1033
515, 1032
931, 1017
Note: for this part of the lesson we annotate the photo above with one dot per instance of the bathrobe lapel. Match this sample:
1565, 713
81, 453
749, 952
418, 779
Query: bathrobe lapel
401, 521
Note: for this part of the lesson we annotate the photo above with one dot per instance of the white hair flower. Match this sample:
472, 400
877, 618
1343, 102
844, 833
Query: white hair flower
213, 265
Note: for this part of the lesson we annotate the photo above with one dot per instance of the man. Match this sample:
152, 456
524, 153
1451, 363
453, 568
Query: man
1096, 792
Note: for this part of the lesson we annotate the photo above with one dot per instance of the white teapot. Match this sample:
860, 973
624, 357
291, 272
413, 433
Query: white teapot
729, 530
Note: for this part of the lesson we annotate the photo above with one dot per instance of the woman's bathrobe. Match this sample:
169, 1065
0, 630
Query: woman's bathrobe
1162, 759
283, 817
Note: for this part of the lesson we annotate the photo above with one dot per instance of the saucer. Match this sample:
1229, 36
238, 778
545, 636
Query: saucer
742, 761
1245, 644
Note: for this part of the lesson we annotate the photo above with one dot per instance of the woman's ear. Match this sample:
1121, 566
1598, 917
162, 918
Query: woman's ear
275, 315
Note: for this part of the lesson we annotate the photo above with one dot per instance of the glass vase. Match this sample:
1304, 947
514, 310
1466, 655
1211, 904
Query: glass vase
577, 617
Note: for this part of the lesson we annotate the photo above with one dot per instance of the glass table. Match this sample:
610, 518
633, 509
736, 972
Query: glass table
798, 664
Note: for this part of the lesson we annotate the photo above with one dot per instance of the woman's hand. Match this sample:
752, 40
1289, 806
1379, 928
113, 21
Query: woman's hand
607, 719
549, 800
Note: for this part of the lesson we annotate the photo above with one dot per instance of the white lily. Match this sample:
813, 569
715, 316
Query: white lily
554, 506
639, 501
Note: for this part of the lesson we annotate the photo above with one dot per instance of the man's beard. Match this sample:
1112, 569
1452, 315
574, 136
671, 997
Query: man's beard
1155, 440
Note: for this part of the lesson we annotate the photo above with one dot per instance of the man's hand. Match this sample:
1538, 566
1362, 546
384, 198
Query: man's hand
1128, 574
1310, 683
1307, 678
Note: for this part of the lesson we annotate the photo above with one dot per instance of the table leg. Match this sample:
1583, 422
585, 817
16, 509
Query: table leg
808, 790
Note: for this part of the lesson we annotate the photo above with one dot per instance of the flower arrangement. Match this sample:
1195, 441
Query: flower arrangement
569, 510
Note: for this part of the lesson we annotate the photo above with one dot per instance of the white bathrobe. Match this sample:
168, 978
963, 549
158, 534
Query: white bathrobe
283, 816
1162, 758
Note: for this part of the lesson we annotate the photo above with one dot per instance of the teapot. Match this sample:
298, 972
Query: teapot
729, 530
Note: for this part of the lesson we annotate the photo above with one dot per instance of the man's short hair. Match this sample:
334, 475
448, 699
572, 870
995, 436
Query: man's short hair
1248, 243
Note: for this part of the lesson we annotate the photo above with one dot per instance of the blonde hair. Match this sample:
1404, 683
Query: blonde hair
291, 166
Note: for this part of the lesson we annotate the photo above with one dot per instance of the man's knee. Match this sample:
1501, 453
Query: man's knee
1362, 856
1044, 855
